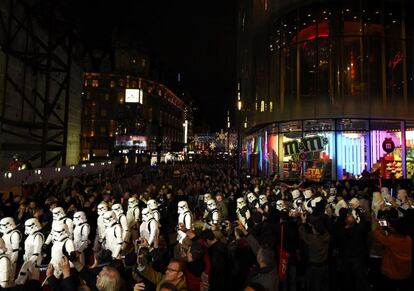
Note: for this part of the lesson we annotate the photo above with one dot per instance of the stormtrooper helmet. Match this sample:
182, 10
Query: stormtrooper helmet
354, 203
251, 197
102, 208
211, 204
79, 218
262, 200
182, 206
117, 208
31, 226
207, 197
295, 194
152, 204
132, 202
297, 203
240, 203
109, 218
7, 224
60, 231
58, 213
280, 205
308, 194
147, 214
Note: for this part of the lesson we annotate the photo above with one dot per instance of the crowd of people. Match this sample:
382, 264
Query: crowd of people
201, 226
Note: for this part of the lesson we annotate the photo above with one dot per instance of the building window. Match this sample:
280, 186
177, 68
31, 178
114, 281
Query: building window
262, 106
121, 83
271, 106
112, 84
106, 96
95, 83
143, 63
86, 83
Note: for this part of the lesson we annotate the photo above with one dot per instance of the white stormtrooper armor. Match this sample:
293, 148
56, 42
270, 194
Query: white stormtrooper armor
133, 217
281, 205
264, 204
206, 197
6, 274
100, 228
81, 233
341, 204
153, 205
213, 216
185, 217
308, 197
253, 202
59, 215
149, 228
313, 203
122, 220
243, 212
12, 238
62, 246
113, 233
32, 249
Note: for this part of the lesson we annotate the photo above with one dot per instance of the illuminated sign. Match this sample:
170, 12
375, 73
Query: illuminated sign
388, 145
304, 145
314, 174
134, 96
137, 141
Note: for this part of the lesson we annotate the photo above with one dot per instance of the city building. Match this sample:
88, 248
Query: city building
132, 117
40, 85
327, 88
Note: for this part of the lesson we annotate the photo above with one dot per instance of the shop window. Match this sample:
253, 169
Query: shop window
352, 157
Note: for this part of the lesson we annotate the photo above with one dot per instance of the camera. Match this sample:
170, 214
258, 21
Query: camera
383, 222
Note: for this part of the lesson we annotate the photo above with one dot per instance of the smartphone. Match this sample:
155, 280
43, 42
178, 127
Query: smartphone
388, 204
248, 176
383, 222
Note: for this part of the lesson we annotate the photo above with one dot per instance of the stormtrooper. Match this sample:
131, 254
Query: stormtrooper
297, 200
81, 233
185, 217
281, 205
122, 220
253, 202
149, 228
264, 204
12, 238
62, 246
243, 212
206, 197
308, 197
213, 216
59, 215
33, 250
153, 205
6, 275
113, 233
338, 206
133, 217
100, 228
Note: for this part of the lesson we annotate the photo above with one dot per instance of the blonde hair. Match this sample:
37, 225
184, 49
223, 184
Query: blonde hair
109, 282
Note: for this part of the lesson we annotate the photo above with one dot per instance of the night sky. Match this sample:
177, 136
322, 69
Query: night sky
197, 38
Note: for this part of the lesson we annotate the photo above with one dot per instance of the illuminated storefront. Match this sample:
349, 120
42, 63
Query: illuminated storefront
332, 149
328, 88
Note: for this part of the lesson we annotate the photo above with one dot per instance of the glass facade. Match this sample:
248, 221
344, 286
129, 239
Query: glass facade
331, 149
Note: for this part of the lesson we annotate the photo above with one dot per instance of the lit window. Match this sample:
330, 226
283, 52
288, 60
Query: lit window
112, 83
143, 62
262, 106
121, 82
271, 106
86, 83
95, 83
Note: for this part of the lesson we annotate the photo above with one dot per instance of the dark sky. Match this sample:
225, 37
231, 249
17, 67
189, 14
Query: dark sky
197, 38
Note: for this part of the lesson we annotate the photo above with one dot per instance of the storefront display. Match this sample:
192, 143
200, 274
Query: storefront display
333, 149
